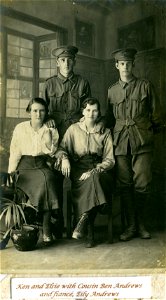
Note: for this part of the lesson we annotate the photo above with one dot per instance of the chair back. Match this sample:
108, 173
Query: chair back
6, 189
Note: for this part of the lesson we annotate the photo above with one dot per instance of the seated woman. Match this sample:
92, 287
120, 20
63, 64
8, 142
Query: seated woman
86, 156
31, 145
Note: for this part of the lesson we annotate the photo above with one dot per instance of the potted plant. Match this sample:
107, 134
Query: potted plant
13, 212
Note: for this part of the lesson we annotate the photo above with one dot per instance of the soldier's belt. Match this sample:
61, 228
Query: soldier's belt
127, 122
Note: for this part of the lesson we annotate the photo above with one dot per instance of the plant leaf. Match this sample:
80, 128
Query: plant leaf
5, 203
30, 205
6, 233
3, 212
22, 213
18, 220
8, 217
14, 215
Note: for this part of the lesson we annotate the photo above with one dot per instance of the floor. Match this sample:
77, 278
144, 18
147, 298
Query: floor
70, 256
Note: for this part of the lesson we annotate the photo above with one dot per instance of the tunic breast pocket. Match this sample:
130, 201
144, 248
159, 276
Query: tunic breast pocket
56, 101
74, 101
119, 109
140, 106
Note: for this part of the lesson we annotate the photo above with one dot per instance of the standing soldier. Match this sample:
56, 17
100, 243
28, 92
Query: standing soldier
64, 94
65, 91
135, 109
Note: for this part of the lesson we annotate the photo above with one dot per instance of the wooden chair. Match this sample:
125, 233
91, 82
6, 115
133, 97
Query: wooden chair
4, 177
5, 193
5, 190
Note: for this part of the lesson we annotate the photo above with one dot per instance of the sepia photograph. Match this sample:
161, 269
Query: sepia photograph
82, 149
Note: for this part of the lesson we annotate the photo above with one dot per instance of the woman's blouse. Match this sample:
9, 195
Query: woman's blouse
78, 142
27, 141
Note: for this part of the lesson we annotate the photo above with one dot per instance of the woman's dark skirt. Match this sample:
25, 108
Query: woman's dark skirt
95, 191
38, 182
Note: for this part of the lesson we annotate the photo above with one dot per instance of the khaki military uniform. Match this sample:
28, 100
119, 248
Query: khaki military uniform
135, 110
65, 96
134, 114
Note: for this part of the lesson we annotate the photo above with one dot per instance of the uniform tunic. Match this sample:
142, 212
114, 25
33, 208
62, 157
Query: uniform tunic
65, 96
86, 151
134, 111
28, 155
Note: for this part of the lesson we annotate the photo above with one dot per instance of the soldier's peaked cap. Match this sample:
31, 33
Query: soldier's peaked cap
65, 51
124, 54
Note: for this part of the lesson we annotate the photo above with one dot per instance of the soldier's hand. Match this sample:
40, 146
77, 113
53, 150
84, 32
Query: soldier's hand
102, 129
102, 125
50, 123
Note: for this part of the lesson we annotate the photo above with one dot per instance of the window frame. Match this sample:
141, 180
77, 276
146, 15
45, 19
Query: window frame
56, 30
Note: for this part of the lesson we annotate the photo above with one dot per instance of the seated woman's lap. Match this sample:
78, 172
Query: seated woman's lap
40, 187
92, 192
